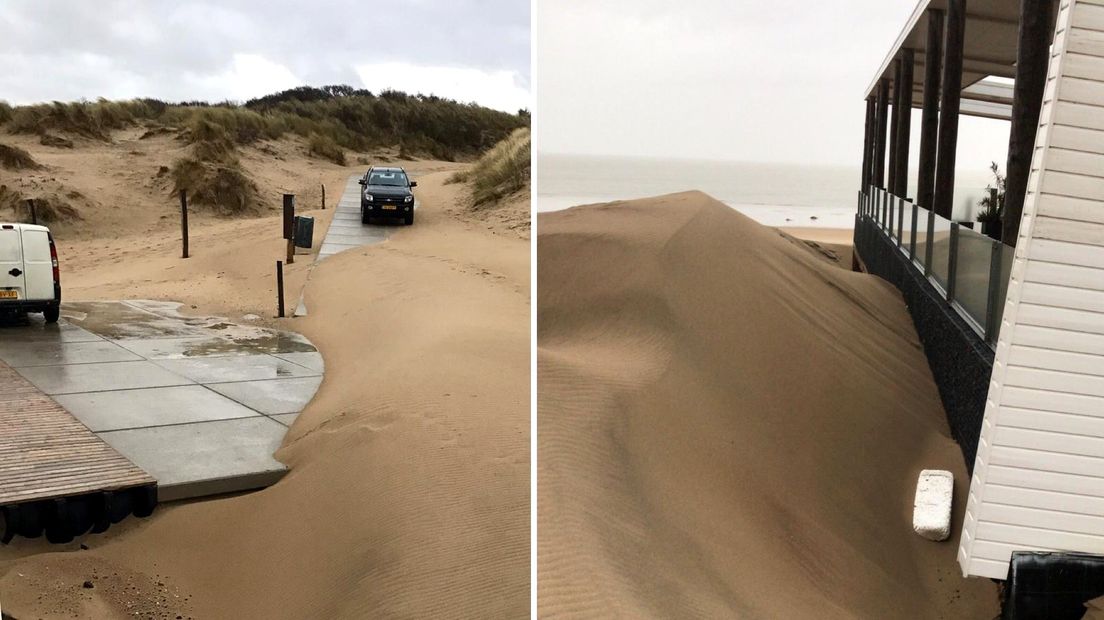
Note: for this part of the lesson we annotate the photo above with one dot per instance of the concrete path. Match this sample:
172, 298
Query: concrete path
199, 403
346, 230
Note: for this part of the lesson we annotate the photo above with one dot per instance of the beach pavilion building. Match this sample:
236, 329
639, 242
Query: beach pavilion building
1013, 329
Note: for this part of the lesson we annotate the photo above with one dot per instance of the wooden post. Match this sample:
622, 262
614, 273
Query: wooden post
904, 123
184, 220
868, 142
289, 228
280, 289
929, 127
1032, 62
33, 210
880, 133
323, 196
943, 203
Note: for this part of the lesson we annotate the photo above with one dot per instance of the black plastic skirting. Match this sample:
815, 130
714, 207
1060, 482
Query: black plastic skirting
960, 360
1054, 586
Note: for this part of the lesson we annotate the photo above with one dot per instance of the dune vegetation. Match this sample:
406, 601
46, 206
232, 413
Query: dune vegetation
354, 119
502, 171
330, 120
15, 158
49, 209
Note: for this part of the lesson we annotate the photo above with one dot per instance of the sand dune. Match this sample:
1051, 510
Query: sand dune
408, 494
730, 425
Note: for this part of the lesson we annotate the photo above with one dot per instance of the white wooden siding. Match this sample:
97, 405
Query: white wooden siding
1038, 480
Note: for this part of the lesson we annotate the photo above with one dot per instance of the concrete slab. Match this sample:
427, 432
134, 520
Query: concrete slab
275, 397
191, 460
70, 379
39, 331
312, 360
286, 419
185, 398
125, 409
211, 370
22, 353
346, 231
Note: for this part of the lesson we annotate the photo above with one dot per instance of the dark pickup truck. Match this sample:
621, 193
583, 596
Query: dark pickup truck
387, 193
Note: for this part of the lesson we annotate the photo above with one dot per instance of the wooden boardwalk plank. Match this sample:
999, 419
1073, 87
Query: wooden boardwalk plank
46, 453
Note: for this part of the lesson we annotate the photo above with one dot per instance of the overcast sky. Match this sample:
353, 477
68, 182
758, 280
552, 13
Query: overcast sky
778, 81
470, 50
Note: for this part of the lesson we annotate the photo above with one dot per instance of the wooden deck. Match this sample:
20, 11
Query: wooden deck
46, 453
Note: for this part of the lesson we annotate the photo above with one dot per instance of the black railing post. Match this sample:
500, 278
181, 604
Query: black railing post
952, 263
900, 221
912, 240
889, 219
992, 315
929, 244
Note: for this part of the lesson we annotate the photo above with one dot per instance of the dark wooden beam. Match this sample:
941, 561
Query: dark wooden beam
951, 95
880, 133
1032, 62
929, 125
868, 145
904, 123
895, 126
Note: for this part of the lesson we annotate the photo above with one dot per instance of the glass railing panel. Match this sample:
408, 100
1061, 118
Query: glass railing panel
941, 250
921, 237
975, 254
906, 226
1008, 253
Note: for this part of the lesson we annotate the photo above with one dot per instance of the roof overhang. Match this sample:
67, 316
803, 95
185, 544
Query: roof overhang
989, 55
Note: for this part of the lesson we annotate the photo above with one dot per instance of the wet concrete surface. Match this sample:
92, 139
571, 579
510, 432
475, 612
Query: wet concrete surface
346, 230
198, 402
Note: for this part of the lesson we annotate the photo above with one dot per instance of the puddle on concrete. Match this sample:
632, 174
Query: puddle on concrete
269, 343
185, 335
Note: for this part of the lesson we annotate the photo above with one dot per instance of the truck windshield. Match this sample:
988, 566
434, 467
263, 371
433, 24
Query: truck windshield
394, 179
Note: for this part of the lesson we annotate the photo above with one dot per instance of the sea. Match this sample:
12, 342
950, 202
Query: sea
773, 194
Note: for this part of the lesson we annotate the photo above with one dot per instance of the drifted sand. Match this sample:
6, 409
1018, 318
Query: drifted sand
408, 494
730, 425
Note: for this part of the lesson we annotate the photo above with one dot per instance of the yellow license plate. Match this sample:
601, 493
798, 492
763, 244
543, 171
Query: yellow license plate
390, 207
9, 294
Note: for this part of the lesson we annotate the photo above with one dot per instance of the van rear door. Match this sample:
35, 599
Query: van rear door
12, 277
39, 265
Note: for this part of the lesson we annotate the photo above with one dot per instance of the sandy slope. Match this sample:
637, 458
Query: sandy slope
730, 425
409, 484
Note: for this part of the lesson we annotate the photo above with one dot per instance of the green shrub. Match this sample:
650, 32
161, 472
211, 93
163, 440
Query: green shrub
326, 148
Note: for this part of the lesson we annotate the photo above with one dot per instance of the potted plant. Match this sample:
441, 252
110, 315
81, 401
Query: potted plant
992, 205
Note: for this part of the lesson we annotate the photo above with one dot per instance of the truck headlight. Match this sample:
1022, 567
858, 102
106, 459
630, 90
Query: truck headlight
408, 199
368, 197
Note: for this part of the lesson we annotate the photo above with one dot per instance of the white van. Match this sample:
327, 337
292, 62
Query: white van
29, 277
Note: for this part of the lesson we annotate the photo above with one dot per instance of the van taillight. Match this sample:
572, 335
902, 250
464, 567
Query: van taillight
54, 261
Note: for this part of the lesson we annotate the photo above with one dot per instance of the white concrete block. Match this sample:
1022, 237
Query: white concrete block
931, 511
